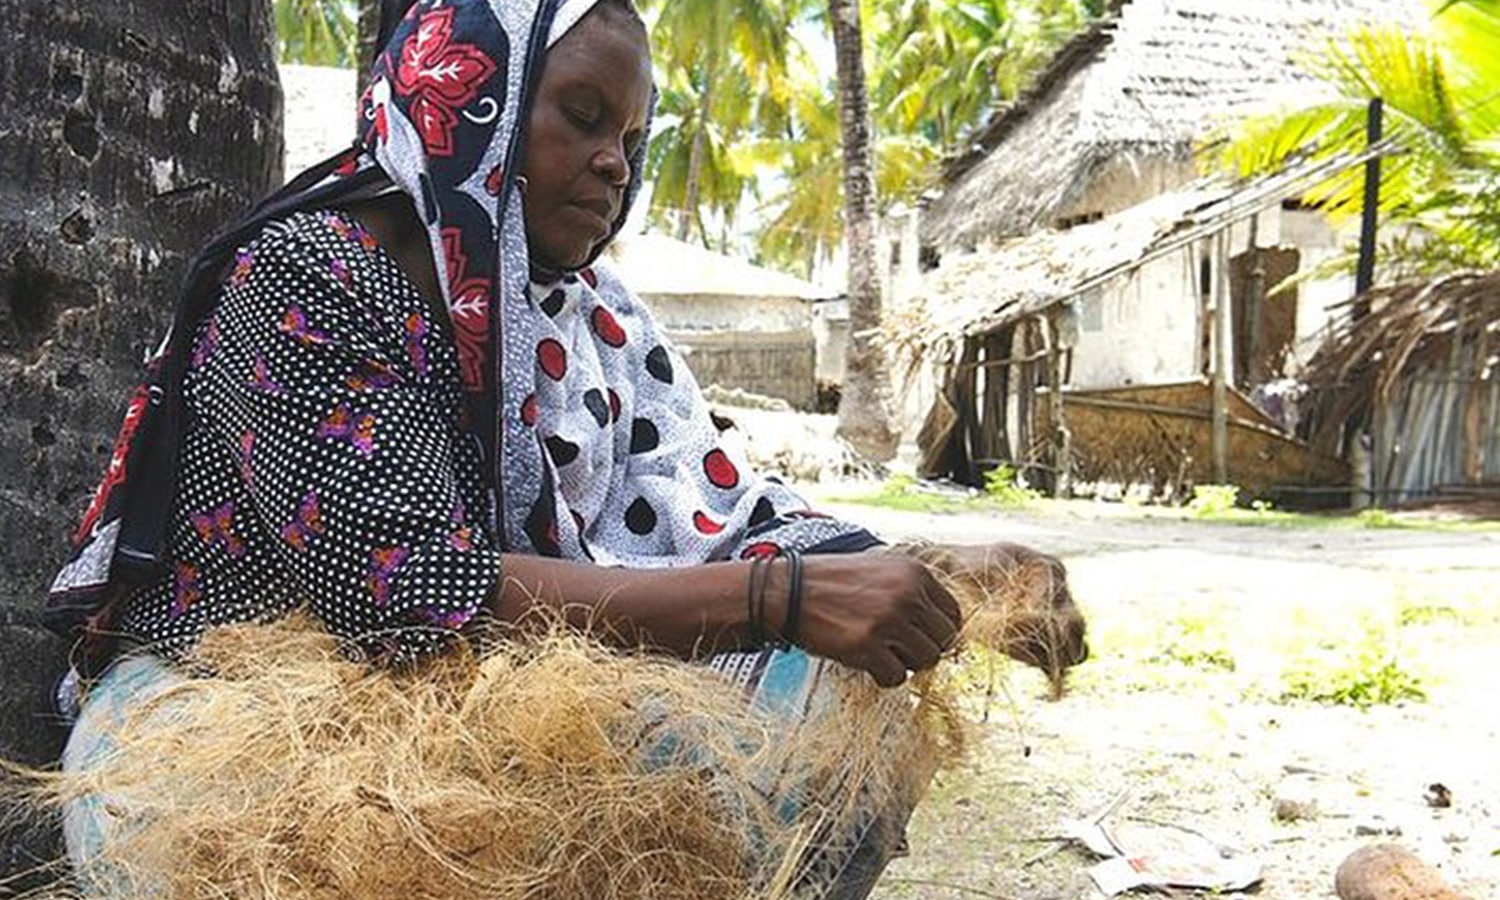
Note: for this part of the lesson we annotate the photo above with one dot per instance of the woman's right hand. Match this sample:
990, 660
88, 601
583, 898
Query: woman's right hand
881, 613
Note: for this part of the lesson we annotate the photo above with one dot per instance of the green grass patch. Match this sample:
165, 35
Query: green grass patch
906, 494
1362, 673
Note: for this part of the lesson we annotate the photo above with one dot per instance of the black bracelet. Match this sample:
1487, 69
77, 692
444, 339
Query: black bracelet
754, 599
793, 598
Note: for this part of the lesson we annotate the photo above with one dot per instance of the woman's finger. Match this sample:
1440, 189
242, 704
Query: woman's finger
887, 670
917, 652
939, 598
935, 626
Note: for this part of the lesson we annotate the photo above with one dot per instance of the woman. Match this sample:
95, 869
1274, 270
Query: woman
400, 394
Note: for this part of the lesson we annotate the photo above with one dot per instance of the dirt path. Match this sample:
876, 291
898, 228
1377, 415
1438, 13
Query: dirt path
1198, 631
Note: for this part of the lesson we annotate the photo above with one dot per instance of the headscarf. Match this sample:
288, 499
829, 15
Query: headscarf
445, 117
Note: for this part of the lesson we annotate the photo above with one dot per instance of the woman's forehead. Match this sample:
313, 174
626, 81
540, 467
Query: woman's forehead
605, 50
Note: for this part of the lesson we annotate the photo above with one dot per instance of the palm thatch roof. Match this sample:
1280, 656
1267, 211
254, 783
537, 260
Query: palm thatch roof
1447, 329
1003, 282
1152, 80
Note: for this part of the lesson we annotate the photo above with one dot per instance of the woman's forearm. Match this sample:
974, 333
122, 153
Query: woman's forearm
691, 612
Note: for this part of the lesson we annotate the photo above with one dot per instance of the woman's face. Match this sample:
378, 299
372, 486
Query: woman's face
588, 117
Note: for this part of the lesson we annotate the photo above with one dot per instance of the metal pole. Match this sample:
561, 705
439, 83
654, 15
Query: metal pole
1364, 277
1221, 315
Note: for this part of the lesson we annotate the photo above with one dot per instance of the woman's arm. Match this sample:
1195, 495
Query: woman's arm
881, 613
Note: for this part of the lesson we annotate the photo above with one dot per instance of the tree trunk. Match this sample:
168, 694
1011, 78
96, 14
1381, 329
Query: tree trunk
365, 50
864, 408
690, 189
133, 131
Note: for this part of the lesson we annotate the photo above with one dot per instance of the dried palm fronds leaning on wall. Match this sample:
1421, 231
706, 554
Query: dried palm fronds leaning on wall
546, 768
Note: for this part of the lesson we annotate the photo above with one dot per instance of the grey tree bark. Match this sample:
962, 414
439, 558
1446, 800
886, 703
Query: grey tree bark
864, 408
132, 130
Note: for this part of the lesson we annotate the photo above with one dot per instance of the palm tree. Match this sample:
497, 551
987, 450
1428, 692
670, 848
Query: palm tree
937, 71
722, 71
106, 184
1442, 110
864, 407
318, 32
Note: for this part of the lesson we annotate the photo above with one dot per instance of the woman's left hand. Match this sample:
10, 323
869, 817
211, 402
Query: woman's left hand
1040, 624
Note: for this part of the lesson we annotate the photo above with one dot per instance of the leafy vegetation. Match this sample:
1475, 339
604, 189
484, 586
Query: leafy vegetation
317, 32
763, 102
1367, 679
1003, 485
1442, 111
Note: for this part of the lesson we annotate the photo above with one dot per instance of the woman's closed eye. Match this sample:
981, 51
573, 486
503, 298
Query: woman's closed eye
587, 119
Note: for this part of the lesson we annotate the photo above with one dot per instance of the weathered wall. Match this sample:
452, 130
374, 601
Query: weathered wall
1142, 329
132, 131
759, 344
777, 364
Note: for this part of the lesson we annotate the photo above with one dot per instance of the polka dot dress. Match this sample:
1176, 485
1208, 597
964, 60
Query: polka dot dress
324, 464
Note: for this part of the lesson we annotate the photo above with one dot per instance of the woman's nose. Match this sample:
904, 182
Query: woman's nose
612, 165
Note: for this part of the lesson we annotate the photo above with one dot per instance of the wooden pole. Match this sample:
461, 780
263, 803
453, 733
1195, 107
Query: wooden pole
1062, 483
1220, 374
1475, 427
1255, 309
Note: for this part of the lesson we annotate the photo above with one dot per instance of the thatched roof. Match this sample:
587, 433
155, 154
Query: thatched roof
975, 293
1153, 80
1410, 329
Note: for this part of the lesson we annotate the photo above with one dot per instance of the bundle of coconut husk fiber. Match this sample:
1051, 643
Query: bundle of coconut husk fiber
546, 768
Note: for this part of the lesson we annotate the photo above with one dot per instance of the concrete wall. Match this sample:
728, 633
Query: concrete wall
1142, 329
830, 327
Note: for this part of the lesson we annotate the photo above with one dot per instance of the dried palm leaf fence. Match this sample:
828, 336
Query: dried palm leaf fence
1419, 374
999, 323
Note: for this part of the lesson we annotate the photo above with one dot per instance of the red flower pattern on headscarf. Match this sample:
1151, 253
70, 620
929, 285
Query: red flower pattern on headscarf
468, 310
443, 76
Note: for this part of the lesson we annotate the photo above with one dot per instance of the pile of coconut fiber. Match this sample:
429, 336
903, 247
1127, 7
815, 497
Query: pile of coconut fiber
545, 768
542, 768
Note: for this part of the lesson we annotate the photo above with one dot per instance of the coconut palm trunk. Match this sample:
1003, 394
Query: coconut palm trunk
864, 408
132, 131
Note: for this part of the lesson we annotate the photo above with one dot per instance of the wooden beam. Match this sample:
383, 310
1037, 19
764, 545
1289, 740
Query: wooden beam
1218, 372
1060, 440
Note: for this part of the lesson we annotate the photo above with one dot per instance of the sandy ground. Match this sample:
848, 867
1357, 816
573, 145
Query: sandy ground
1200, 745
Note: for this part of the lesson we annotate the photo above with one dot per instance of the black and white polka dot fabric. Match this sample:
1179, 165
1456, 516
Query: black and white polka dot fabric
327, 463
324, 464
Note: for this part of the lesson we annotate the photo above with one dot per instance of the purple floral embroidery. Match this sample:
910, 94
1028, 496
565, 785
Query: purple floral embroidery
208, 341
372, 375
307, 524
187, 588
244, 261
384, 561
260, 377
358, 428
215, 527
342, 273
294, 324
450, 619
247, 452
416, 330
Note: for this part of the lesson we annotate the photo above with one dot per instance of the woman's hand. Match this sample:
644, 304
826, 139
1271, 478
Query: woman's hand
1024, 594
882, 613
